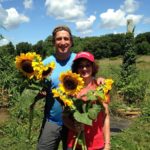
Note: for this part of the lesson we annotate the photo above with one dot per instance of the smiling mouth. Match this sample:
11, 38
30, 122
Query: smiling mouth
63, 48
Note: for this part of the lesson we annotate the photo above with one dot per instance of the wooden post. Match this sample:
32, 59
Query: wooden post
130, 26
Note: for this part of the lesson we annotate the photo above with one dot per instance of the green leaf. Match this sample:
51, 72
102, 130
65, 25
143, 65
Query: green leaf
28, 95
94, 111
100, 94
90, 95
82, 117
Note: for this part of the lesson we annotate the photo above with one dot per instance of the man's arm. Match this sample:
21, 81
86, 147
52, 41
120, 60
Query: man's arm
38, 97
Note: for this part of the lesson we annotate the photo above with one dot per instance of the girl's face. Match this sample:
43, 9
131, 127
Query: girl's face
85, 68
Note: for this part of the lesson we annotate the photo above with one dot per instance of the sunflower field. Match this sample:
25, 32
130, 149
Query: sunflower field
21, 129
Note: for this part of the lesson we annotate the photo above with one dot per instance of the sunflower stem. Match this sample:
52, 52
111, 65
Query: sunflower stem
76, 141
84, 141
30, 122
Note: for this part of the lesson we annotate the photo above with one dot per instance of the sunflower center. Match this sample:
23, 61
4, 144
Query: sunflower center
46, 72
27, 66
70, 83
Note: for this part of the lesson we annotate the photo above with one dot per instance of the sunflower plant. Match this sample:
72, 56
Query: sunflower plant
31, 66
83, 112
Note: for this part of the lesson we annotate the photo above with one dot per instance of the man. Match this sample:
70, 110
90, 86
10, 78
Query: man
54, 130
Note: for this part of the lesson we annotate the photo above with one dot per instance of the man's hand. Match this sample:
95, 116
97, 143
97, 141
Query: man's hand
100, 80
78, 127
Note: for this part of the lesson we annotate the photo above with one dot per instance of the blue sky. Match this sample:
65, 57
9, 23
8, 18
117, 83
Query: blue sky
34, 20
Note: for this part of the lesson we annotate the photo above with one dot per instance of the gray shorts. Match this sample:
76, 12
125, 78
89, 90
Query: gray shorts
51, 136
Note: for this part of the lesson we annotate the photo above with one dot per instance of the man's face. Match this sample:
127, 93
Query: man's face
63, 42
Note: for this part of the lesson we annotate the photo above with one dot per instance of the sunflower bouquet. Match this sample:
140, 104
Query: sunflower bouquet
31, 65
83, 112
35, 72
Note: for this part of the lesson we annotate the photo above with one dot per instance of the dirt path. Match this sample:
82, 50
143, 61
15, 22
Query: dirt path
118, 124
4, 115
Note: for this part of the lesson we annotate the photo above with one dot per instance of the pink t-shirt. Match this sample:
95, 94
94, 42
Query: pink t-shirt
93, 134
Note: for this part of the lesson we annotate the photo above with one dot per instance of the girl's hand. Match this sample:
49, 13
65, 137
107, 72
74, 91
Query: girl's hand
107, 146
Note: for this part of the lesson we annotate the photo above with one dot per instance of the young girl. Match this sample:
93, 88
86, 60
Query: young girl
98, 135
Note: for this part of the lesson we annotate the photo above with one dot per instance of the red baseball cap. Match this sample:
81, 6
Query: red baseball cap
85, 55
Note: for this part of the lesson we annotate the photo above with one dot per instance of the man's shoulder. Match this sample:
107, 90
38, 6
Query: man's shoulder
49, 59
73, 55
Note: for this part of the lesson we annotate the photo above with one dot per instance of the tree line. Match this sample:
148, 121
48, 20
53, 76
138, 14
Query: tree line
110, 45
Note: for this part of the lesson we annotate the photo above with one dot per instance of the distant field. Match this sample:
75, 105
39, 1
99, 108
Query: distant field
110, 66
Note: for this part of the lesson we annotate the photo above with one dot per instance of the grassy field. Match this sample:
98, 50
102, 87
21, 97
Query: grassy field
13, 133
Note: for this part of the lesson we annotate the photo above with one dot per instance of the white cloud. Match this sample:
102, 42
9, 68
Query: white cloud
136, 18
130, 6
112, 19
84, 26
10, 18
4, 42
70, 10
28, 4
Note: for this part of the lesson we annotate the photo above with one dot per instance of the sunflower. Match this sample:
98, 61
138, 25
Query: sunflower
70, 83
24, 63
64, 98
56, 93
42, 71
109, 82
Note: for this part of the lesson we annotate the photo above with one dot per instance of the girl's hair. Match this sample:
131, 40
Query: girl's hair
75, 64
60, 28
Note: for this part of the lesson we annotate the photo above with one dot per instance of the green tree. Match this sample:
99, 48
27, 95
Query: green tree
143, 48
129, 84
38, 48
48, 47
23, 47
10, 48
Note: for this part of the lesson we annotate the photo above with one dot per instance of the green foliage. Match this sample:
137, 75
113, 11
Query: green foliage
48, 46
38, 48
129, 84
134, 91
134, 138
142, 42
23, 47
14, 133
145, 117
143, 48
8, 75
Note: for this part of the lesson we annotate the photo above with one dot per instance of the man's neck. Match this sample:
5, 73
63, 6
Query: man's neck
62, 57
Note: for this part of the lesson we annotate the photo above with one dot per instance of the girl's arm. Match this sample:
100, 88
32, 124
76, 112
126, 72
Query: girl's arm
106, 127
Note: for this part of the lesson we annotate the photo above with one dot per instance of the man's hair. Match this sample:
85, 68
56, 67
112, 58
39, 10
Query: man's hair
60, 28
